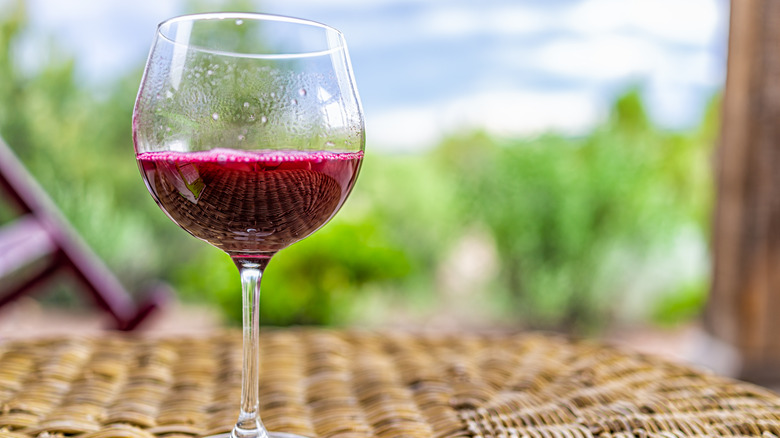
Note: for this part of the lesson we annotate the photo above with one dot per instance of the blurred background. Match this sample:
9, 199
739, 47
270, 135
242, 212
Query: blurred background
529, 164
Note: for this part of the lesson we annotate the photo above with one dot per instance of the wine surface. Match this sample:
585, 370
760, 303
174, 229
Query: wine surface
248, 202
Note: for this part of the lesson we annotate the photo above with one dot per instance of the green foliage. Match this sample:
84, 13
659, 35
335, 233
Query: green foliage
78, 146
572, 223
681, 304
560, 208
311, 282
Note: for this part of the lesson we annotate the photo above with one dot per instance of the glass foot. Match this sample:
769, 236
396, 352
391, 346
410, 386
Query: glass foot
270, 435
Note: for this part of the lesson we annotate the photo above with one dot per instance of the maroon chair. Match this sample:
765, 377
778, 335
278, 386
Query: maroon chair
40, 243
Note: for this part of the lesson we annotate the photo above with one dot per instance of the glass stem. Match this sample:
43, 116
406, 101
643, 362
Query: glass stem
251, 269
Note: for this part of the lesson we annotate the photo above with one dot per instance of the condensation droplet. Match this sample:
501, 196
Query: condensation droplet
302, 92
239, 22
263, 119
246, 105
215, 116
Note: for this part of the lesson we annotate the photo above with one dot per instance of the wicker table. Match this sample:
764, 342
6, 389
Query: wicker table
324, 383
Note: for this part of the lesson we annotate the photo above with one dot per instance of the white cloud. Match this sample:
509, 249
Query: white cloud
513, 112
450, 21
524, 112
344, 4
403, 129
591, 46
609, 58
517, 20
695, 22
107, 36
600, 58
675, 105
463, 21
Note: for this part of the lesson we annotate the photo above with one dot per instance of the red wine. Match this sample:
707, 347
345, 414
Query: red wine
247, 202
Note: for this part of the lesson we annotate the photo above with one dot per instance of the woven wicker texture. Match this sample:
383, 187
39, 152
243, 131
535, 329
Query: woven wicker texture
351, 384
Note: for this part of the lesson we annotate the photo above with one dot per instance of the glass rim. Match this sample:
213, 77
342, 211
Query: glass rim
255, 16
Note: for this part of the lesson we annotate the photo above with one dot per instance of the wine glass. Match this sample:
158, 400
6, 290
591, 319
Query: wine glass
249, 134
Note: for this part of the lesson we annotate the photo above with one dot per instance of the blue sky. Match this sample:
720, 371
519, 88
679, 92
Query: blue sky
429, 67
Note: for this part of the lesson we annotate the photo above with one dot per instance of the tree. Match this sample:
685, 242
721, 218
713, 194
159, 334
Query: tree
745, 296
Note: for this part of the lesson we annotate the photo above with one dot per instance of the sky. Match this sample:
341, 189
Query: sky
427, 68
